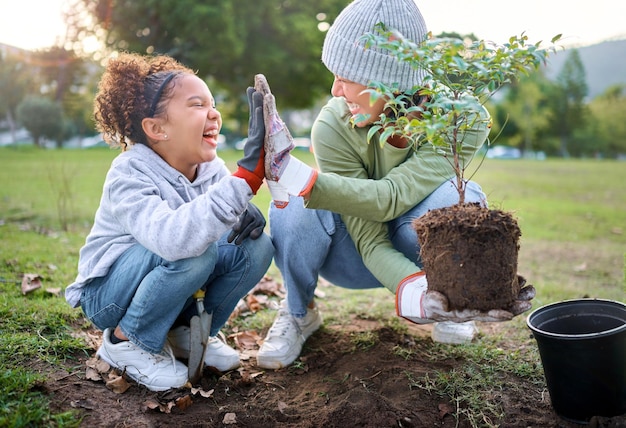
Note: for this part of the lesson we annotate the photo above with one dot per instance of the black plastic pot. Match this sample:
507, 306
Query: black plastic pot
582, 344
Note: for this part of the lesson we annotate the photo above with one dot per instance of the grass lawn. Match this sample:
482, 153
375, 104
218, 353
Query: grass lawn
572, 214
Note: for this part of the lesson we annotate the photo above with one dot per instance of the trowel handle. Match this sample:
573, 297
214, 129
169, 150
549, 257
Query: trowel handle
199, 295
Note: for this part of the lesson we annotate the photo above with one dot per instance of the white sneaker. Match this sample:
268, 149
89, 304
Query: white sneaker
157, 372
455, 333
218, 354
285, 338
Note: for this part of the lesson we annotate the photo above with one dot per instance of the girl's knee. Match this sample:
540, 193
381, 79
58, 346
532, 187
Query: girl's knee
197, 267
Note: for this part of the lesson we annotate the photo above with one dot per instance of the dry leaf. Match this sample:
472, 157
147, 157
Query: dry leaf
269, 286
202, 392
92, 340
92, 374
151, 404
30, 282
445, 409
282, 406
83, 404
102, 366
256, 302
54, 291
229, 419
184, 402
244, 355
99, 365
248, 339
118, 385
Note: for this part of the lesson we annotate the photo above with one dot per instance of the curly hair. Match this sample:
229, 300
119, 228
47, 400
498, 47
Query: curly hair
132, 88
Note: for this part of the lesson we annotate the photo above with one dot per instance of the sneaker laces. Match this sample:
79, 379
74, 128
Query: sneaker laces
283, 323
166, 353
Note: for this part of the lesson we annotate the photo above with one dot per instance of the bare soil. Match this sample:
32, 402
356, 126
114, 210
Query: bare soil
334, 384
470, 254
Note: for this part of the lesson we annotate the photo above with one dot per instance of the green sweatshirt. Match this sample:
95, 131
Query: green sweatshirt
370, 185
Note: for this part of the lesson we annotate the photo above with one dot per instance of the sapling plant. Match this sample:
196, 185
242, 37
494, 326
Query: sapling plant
459, 78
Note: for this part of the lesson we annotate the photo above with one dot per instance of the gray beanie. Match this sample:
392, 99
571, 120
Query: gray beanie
345, 55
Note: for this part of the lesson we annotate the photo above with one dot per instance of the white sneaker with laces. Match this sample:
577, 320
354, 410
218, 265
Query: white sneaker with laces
218, 353
157, 372
285, 338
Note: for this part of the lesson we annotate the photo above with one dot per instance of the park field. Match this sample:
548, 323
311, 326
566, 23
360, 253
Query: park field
572, 214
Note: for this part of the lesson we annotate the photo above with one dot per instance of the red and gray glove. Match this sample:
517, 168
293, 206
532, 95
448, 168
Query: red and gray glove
251, 166
415, 303
292, 176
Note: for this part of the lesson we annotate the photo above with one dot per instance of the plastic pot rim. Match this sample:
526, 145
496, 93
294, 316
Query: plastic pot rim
570, 302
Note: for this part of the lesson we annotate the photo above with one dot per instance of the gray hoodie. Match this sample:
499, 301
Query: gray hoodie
145, 201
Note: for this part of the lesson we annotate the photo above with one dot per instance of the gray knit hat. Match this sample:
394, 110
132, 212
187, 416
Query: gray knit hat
345, 55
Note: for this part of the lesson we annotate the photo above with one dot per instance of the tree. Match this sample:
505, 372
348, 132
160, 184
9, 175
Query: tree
228, 40
608, 127
14, 83
459, 79
41, 117
569, 99
525, 111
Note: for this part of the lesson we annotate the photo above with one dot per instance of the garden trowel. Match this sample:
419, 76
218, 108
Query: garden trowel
200, 325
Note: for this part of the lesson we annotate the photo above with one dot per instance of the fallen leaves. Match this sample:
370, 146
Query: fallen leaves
33, 281
99, 370
229, 419
30, 282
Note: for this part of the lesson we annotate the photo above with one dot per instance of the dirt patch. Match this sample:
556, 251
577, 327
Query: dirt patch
337, 383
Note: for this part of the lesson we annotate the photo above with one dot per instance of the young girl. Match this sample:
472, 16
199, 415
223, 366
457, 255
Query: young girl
172, 220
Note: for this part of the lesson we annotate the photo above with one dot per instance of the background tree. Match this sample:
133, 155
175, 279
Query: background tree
607, 127
69, 81
568, 97
15, 82
525, 112
227, 40
41, 117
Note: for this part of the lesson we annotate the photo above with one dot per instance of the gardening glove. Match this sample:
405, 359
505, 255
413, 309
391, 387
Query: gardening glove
280, 196
415, 303
295, 177
251, 165
250, 224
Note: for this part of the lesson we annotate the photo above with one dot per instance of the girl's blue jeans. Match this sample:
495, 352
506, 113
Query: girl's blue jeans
145, 294
311, 243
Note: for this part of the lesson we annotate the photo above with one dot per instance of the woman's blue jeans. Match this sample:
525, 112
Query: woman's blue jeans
311, 243
145, 294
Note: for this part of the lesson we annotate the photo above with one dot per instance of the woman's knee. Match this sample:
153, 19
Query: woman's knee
295, 221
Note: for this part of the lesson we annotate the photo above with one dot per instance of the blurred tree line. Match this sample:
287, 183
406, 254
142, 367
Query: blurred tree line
50, 92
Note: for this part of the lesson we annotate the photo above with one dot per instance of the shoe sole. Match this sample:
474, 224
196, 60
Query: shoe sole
103, 357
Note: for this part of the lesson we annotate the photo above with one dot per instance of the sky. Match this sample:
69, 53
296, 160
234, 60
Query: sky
35, 24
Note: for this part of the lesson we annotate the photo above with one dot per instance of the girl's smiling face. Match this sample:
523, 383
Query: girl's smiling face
357, 100
190, 124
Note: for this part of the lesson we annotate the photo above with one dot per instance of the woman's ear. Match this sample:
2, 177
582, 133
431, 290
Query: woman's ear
153, 129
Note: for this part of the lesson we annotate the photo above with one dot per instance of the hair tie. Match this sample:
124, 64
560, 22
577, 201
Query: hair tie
158, 94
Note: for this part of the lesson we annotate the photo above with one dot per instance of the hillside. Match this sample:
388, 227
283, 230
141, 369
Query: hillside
605, 65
